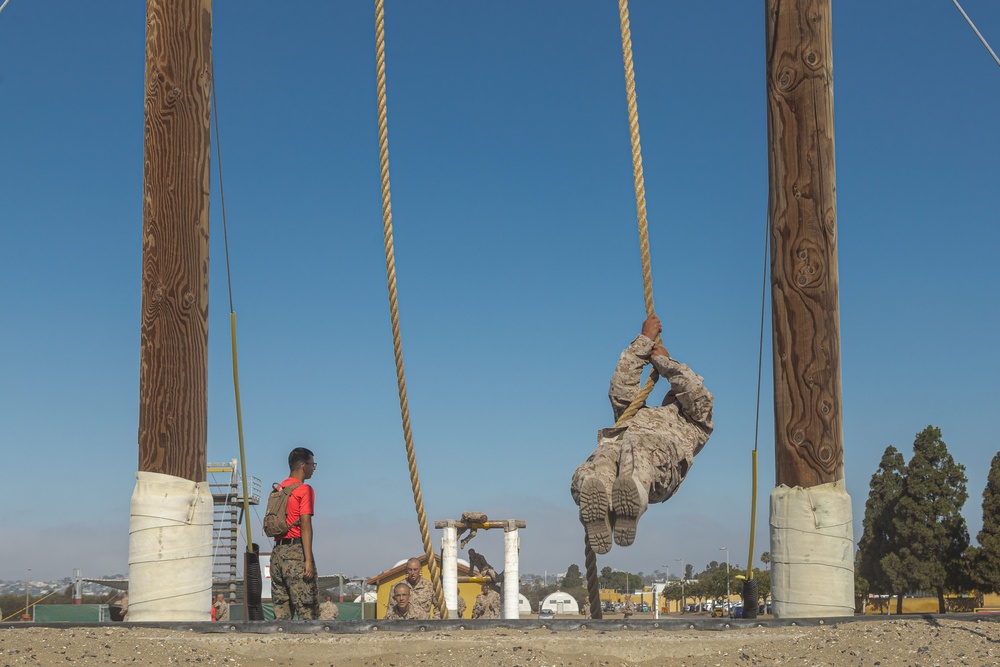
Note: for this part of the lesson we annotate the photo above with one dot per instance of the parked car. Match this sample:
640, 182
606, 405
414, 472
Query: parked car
644, 607
546, 614
736, 611
609, 606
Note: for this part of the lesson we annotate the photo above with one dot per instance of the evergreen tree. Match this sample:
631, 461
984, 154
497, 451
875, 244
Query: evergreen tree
572, 578
878, 537
985, 560
930, 530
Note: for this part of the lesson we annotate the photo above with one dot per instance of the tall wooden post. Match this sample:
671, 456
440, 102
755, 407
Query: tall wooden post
174, 345
812, 566
173, 422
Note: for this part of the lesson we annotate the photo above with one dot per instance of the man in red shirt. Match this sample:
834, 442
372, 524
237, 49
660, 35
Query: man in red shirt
293, 568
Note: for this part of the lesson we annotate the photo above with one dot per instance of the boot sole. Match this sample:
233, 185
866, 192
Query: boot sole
594, 507
628, 504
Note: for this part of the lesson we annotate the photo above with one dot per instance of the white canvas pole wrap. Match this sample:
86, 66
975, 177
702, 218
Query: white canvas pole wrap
812, 552
511, 575
170, 549
449, 569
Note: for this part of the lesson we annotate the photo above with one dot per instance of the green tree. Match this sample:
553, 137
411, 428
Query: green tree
572, 578
625, 582
984, 560
605, 577
930, 529
765, 558
878, 538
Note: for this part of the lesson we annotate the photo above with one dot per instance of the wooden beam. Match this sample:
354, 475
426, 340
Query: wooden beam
803, 211
174, 345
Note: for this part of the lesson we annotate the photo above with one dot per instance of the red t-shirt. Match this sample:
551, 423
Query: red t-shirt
301, 502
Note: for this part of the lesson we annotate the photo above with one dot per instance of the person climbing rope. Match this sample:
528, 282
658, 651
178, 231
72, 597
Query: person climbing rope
645, 459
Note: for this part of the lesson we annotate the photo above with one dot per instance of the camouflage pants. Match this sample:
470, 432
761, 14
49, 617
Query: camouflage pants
658, 464
290, 592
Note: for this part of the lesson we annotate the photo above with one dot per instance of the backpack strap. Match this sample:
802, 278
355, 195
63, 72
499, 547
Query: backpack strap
290, 487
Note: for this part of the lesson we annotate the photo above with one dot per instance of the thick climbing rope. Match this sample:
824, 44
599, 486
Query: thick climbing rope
590, 559
397, 347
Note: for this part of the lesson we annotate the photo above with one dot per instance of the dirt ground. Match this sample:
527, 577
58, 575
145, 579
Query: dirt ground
924, 641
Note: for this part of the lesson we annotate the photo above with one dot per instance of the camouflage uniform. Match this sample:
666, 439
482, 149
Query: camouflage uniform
628, 610
421, 595
412, 613
221, 610
328, 611
646, 460
288, 566
487, 605
477, 561
460, 604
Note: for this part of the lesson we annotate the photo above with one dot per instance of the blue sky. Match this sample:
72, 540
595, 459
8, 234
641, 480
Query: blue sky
517, 259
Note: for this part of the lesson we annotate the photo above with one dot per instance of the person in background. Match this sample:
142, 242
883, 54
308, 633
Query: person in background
402, 608
421, 590
221, 608
328, 610
487, 604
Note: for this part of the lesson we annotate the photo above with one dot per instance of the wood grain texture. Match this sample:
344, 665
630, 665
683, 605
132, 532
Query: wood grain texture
804, 280
174, 346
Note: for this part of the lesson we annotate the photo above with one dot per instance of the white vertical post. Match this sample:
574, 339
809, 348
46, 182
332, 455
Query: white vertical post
449, 568
511, 573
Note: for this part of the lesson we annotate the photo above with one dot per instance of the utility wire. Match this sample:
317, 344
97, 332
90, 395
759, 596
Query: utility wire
971, 25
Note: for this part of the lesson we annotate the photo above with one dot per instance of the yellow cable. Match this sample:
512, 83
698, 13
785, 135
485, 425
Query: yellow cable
397, 347
753, 514
239, 430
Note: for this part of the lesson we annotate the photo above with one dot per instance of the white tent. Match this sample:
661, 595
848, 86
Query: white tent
523, 606
560, 603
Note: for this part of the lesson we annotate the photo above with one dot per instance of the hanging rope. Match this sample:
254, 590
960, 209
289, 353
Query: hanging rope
593, 587
640, 200
390, 270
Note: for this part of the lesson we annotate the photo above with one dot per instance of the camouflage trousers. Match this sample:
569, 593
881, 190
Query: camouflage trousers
658, 465
290, 592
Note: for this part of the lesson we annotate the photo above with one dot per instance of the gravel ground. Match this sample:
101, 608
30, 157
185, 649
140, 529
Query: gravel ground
911, 642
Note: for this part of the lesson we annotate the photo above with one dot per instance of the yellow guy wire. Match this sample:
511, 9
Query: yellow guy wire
232, 321
647, 273
756, 428
390, 270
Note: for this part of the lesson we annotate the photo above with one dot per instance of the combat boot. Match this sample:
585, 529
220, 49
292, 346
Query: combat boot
630, 491
629, 499
595, 506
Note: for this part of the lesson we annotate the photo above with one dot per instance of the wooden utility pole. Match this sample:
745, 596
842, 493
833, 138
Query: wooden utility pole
170, 527
173, 421
809, 450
